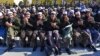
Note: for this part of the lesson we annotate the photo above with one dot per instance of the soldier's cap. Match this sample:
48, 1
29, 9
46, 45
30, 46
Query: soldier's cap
78, 8
88, 10
1, 14
78, 13
69, 8
99, 12
10, 12
55, 8
83, 10
24, 9
13, 9
7, 10
63, 8
40, 8
27, 13
53, 12
46, 9
72, 11
39, 13
58, 7
65, 13
33, 6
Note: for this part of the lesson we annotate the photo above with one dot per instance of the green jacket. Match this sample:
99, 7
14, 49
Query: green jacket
12, 31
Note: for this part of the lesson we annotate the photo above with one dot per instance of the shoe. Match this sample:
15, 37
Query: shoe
27, 45
59, 51
94, 49
42, 49
69, 52
9, 48
89, 47
34, 49
54, 51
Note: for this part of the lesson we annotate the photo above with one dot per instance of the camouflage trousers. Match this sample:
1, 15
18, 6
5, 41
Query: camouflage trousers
38, 35
26, 36
81, 37
54, 37
10, 38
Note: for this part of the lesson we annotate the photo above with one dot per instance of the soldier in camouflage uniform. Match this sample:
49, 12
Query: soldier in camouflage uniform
39, 31
66, 32
52, 28
12, 25
26, 29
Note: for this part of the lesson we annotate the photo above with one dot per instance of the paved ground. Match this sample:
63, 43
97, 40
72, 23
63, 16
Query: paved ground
18, 51
28, 52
